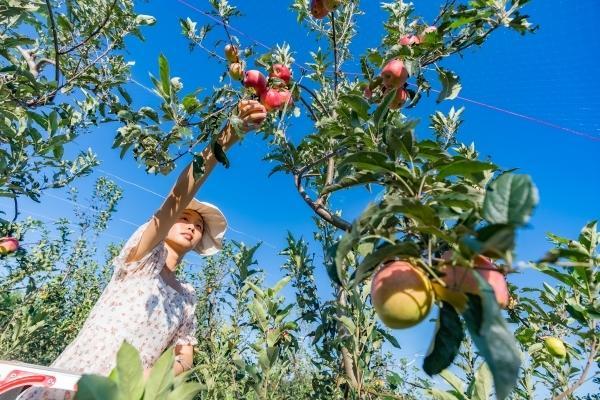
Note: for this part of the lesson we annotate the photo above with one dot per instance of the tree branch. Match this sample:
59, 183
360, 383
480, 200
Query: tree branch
309, 108
335, 54
317, 206
55, 39
94, 32
314, 96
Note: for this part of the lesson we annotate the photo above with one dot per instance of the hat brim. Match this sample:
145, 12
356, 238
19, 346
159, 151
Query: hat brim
215, 226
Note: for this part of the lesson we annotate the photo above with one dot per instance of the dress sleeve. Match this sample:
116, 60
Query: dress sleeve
186, 335
150, 264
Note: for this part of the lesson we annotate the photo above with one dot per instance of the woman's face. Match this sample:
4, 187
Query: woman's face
186, 233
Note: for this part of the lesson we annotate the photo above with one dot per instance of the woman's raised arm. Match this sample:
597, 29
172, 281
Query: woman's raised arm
252, 113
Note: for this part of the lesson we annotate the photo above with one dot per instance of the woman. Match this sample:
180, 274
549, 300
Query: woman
144, 303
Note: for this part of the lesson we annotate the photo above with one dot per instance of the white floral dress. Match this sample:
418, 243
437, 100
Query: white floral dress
136, 306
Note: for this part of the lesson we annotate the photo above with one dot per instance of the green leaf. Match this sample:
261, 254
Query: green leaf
589, 237
412, 209
393, 341
382, 254
381, 111
198, 166
466, 168
95, 387
358, 104
190, 104
161, 376
185, 391
447, 340
281, 284
496, 240
510, 199
360, 178
437, 394
369, 160
130, 373
163, 69
450, 85
493, 339
220, 154
483, 383
455, 382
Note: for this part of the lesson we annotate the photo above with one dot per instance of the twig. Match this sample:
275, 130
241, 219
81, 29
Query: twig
55, 38
314, 96
94, 32
335, 55
309, 108
16, 206
445, 9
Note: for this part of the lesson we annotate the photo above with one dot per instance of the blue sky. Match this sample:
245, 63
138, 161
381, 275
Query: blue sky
551, 76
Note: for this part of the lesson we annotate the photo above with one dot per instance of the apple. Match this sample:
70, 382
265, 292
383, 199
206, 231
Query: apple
255, 79
282, 72
368, 93
231, 53
274, 98
394, 74
8, 244
461, 279
399, 99
409, 40
401, 294
555, 347
318, 9
236, 71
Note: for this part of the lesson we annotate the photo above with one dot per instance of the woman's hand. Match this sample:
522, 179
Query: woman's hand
252, 114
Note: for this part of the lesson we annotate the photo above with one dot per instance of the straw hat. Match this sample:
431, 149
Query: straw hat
215, 226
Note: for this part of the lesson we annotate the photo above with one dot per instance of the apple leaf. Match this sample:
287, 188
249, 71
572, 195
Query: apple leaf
198, 166
450, 85
510, 199
358, 104
161, 376
381, 111
382, 254
95, 387
495, 342
220, 154
130, 373
446, 342
369, 160
466, 168
163, 70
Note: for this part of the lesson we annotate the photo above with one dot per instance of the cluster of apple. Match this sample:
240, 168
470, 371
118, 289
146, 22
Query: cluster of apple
274, 92
320, 8
402, 294
8, 244
394, 74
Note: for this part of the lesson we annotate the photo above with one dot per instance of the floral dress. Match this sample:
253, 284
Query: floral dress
137, 306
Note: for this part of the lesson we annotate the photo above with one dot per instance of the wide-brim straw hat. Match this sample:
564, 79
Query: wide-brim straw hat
215, 226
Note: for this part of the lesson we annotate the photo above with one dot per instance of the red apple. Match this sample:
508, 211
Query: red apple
461, 279
399, 99
282, 72
409, 40
368, 93
255, 79
8, 244
274, 99
394, 74
318, 9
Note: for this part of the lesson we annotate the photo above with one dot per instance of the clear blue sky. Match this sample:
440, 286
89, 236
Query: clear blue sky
551, 75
